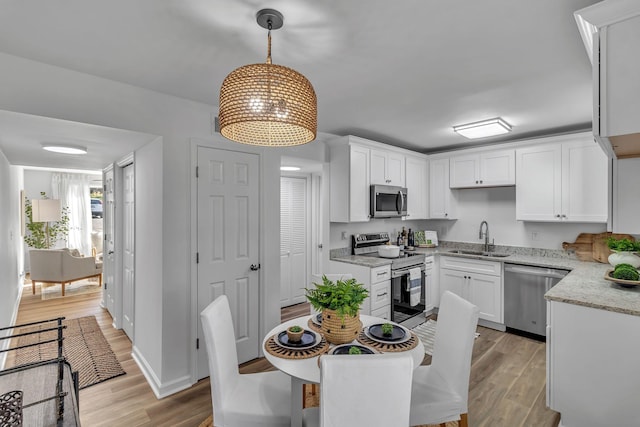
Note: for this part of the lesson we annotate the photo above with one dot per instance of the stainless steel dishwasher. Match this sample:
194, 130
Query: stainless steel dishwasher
525, 308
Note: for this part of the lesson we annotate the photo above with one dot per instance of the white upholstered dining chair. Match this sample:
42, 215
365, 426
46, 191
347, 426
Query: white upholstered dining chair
363, 391
440, 391
240, 400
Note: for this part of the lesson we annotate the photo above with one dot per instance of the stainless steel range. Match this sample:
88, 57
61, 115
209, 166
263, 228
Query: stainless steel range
401, 307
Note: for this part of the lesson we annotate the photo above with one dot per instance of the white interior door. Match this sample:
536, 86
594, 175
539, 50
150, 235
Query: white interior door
128, 279
228, 244
109, 243
294, 231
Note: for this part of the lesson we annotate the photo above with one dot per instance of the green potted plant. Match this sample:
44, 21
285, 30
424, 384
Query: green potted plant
623, 252
294, 333
339, 302
387, 329
44, 235
354, 350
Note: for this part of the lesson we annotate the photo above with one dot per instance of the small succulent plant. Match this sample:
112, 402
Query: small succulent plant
354, 350
387, 329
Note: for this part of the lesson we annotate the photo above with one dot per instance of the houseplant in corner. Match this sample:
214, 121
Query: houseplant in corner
339, 302
624, 252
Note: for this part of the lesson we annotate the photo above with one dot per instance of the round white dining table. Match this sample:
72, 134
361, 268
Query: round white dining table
307, 370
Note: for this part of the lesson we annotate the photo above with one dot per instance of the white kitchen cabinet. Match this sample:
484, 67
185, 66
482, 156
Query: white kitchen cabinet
349, 181
477, 281
387, 167
592, 365
612, 34
566, 179
626, 197
493, 168
442, 202
376, 280
417, 190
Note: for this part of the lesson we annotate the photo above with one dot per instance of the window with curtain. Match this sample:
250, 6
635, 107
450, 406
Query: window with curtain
73, 191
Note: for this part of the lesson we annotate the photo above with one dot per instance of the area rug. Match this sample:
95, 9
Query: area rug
80, 287
85, 348
427, 333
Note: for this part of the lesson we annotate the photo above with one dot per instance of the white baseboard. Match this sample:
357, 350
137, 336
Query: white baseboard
14, 317
159, 389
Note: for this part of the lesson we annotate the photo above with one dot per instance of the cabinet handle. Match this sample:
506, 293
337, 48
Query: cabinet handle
564, 216
558, 216
382, 273
476, 181
446, 214
381, 295
480, 181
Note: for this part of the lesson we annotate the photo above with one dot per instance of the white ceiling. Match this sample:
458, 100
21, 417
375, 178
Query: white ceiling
400, 72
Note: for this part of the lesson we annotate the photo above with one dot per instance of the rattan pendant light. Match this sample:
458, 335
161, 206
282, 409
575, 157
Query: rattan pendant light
267, 104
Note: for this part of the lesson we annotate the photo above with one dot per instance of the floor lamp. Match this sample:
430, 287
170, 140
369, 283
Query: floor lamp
45, 210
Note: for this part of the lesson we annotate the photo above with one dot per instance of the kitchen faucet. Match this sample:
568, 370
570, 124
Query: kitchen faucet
485, 235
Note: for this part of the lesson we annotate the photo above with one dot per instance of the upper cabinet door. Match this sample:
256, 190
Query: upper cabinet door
498, 168
567, 180
464, 171
349, 181
387, 168
538, 183
585, 182
378, 167
417, 180
396, 169
442, 203
483, 169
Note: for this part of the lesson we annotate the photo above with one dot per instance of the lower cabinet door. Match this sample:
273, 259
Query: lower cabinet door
484, 291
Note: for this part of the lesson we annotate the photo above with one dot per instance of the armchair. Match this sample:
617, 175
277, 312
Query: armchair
60, 266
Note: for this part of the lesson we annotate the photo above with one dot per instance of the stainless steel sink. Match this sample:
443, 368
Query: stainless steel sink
459, 251
495, 255
478, 253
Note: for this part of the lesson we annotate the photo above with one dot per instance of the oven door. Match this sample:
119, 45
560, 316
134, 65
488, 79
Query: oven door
401, 308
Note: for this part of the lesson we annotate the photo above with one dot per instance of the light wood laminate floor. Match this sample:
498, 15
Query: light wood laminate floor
507, 386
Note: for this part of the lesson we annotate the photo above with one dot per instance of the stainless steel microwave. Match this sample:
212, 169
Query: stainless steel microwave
388, 201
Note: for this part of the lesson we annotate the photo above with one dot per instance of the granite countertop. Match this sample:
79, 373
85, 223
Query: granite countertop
584, 285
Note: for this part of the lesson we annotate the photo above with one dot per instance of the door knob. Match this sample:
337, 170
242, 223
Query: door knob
254, 267
110, 252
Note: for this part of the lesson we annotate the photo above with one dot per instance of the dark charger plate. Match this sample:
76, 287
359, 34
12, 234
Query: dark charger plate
344, 349
396, 335
308, 340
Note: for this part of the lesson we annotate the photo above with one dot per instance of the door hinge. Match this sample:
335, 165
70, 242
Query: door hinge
197, 257
104, 186
197, 343
105, 286
197, 171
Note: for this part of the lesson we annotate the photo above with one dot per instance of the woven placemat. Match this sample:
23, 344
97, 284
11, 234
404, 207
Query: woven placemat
273, 348
312, 325
407, 345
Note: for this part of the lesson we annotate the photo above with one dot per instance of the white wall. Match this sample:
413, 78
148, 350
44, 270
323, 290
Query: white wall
35, 88
497, 206
10, 247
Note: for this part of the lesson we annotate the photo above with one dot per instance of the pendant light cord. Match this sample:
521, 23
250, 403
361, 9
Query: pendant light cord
269, 42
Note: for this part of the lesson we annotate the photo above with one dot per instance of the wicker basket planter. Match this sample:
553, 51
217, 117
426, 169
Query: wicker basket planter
340, 330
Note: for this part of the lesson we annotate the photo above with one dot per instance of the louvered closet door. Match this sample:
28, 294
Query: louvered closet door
293, 240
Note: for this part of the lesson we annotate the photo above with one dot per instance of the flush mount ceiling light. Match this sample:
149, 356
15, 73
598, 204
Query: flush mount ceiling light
483, 129
267, 104
289, 168
65, 148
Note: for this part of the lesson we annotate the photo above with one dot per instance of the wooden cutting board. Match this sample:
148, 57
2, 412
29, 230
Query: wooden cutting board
583, 246
601, 251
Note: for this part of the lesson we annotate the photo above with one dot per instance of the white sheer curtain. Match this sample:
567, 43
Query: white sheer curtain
73, 191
